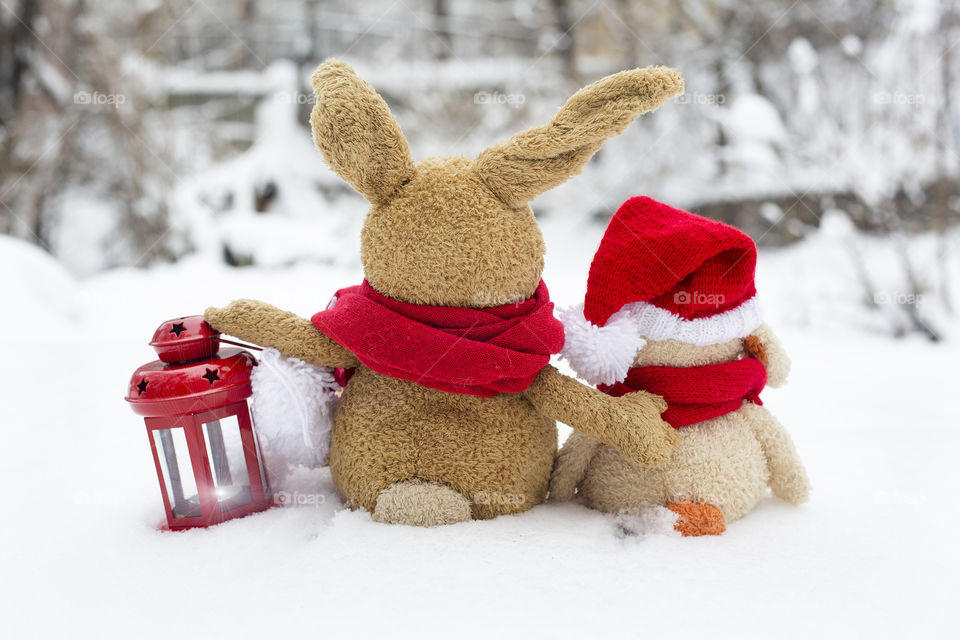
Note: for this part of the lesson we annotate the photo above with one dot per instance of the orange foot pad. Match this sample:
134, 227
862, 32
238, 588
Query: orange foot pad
698, 518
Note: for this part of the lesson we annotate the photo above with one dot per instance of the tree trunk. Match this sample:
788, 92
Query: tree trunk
441, 29
942, 212
565, 45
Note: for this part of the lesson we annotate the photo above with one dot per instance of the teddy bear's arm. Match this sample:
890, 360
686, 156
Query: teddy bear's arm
777, 360
288, 333
788, 477
630, 423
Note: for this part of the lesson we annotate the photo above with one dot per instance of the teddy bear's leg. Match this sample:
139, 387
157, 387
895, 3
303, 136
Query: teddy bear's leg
420, 503
571, 465
612, 484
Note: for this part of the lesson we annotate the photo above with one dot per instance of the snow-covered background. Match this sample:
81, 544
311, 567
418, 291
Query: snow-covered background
154, 161
873, 554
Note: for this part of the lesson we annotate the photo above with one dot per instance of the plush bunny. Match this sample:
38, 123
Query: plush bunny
671, 309
450, 412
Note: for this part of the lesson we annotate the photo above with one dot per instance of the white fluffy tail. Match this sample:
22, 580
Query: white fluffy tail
293, 404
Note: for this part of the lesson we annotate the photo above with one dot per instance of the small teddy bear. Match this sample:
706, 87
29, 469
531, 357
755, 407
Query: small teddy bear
671, 309
450, 409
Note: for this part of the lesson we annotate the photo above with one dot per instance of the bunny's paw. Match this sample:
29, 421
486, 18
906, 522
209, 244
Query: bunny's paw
640, 434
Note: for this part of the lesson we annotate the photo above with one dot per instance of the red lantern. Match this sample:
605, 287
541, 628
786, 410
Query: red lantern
194, 403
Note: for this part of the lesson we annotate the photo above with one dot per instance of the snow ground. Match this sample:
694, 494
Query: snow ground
873, 554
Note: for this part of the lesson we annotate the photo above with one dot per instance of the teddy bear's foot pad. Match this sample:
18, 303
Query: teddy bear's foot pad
698, 518
422, 504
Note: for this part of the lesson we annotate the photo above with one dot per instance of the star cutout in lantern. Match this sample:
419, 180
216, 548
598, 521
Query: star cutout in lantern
178, 328
211, 376
142, 386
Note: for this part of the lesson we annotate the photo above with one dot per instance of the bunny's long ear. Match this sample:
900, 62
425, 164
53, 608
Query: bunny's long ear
357, 134
529, 163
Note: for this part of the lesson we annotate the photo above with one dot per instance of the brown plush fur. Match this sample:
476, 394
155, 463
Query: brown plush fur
290, 334
727, 462
390, 430
558, 397
444, 239
458, 232
357, 134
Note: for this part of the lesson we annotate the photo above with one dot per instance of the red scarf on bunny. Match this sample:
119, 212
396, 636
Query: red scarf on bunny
695, 394
480, 352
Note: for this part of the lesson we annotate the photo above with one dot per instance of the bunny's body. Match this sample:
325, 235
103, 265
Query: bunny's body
456, 232
496, 452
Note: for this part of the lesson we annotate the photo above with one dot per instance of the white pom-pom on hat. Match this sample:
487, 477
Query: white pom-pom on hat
600, 355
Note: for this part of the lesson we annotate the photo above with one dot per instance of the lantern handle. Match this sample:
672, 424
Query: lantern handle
241, 344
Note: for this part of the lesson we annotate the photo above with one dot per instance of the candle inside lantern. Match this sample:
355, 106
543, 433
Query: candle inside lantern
226, 457
224, 494
218, 451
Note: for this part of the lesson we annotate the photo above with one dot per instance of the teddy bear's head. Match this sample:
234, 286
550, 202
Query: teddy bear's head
459, 231
762, 344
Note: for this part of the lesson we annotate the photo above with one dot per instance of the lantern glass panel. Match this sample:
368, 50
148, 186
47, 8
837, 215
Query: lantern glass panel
178, 480
227, 462
260, 468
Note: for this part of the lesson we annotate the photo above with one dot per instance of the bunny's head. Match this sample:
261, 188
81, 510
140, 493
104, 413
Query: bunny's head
459, 231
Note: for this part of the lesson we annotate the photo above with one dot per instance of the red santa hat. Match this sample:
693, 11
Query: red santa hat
660, 273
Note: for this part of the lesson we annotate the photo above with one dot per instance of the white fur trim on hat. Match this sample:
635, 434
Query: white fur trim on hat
603, 355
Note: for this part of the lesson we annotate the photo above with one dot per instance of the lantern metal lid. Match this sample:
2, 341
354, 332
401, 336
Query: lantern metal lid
185, 339
190, 374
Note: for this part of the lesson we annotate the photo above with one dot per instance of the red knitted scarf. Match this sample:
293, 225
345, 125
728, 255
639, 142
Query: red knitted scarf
695, 394
480, 352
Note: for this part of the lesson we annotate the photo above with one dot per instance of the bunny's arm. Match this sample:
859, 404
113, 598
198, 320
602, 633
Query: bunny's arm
291, 335
630, 423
